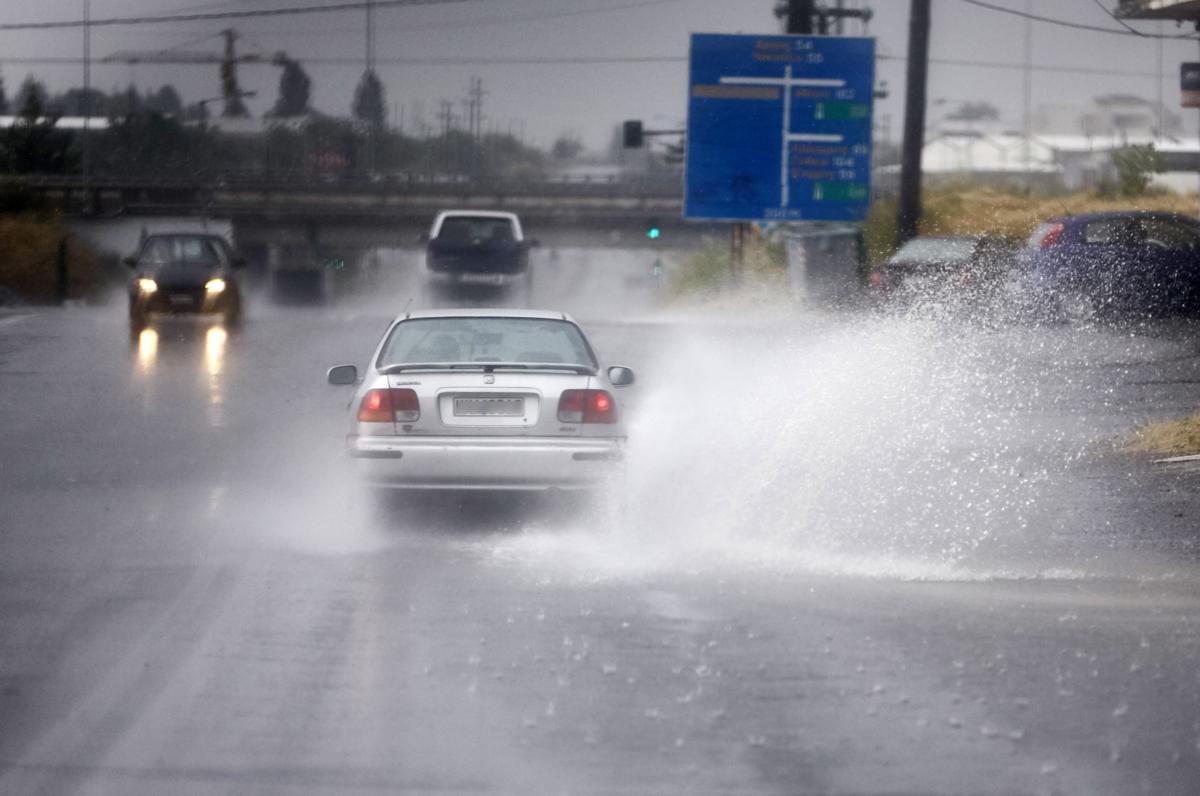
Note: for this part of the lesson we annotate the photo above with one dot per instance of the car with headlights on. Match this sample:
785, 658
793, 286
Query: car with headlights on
184, 274
485, 399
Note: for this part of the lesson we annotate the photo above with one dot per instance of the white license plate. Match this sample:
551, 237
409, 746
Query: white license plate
489, 407
481, 279
181, 301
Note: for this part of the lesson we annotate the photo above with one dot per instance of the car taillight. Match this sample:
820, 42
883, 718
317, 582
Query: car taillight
587, 406
1052, 235
389, 406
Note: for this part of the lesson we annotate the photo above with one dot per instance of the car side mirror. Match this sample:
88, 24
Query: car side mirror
620, 376
533, 243
239, 262
423, 238
341, 375
131, 261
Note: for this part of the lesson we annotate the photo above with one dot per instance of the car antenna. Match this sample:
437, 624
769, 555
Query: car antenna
406, 306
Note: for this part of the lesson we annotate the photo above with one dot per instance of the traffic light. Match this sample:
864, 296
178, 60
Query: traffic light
653, 230
633, 134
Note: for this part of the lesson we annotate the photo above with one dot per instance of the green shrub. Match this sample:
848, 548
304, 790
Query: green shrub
709, 271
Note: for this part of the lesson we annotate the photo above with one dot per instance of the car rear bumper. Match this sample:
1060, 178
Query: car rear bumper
480, 278
486, 463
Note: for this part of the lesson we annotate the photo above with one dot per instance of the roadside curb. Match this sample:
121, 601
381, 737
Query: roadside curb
1191, 457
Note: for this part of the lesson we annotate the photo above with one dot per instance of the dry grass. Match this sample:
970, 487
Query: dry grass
972, 210
1011, 215
28, 257
1172, 438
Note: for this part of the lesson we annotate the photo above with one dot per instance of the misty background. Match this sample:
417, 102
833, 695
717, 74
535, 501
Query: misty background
577, 68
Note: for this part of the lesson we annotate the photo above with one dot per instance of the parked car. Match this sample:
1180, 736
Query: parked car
485, 400
479, 250
184, 274
1118, 262
950, 266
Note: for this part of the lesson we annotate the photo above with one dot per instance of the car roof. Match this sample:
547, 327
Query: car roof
947, 237
1113, 214
184, 234
479, 214
474, 312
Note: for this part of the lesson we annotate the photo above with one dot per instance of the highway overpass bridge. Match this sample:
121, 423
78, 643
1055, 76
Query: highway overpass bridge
324, 211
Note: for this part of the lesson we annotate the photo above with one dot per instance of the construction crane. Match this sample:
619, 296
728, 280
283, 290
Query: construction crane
231, 93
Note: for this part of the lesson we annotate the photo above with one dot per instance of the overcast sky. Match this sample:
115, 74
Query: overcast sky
544, 100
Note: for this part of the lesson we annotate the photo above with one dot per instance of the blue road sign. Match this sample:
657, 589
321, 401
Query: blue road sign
779, 128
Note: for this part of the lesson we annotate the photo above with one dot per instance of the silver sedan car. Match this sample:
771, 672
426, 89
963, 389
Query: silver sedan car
485, 399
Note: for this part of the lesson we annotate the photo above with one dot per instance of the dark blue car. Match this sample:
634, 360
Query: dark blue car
1116, 263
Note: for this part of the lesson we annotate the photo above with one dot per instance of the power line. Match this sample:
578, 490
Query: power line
1077, 25
289, 11
479, 22
605, 59
1118, 20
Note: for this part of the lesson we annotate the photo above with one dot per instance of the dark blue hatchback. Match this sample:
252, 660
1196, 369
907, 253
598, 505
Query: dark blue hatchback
1121, 262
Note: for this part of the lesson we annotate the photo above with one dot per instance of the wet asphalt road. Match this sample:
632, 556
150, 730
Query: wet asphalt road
863, 555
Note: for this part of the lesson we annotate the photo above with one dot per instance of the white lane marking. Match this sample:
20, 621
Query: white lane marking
6, 320
216, 500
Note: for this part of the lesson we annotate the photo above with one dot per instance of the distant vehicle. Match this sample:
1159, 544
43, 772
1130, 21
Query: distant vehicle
184, 274
1118, 262
951, 266
482, 250
485, 400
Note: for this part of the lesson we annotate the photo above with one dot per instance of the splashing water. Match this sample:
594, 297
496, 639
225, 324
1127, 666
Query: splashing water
896, 447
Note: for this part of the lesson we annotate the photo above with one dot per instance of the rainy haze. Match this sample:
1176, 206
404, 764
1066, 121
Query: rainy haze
373, 420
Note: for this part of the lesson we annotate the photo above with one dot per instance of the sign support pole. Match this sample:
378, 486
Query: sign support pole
737, 251
908, 216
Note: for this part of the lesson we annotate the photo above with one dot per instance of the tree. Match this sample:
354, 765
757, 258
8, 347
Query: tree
370, 105
982, 111
31, 94
196, 112
124, 103
1136, 166
3, 98
78, 102
34, 145
295, 88
566, 147
165, 101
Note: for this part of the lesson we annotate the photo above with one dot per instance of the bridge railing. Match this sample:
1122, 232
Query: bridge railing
438, 184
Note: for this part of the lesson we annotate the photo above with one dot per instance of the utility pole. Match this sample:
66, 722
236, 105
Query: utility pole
446, 117
800, 16
87, 107
908, 215
232, 94
474, 106
1027, 99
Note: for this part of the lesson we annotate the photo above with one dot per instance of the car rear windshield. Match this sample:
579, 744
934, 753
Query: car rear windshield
195, 252
476, 340
473, 228
1166, 232
938, 250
